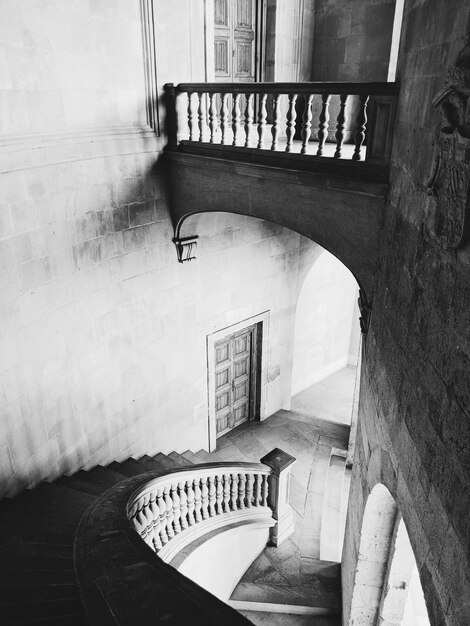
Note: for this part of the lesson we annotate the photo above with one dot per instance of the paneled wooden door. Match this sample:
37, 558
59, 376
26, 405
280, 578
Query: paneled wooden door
236, 366
235, 40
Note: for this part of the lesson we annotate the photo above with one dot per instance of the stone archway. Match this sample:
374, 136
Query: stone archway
374, 549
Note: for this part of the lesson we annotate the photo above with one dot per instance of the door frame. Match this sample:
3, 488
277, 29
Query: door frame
260, 41
262, 322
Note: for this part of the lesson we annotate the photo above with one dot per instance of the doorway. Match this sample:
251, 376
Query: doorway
236, 365
236, 358
235, 40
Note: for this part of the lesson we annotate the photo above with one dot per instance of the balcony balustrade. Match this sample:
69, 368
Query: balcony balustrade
331, 121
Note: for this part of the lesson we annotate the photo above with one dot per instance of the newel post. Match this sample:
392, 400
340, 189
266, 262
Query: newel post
278, 497
171, 115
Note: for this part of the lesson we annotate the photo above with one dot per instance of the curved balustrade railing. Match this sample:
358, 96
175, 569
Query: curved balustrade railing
287, 118
170, 511
121, 582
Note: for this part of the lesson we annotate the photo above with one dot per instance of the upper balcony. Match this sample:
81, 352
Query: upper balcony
313, 157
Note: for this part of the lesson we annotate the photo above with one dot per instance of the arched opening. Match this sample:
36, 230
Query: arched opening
372, 558
402, 601
387, 588
326, 336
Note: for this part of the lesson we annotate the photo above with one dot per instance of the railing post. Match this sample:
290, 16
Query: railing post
171, 115
280, 463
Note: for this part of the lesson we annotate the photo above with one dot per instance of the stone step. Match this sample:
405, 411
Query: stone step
191, 457
77, 619
32, 578
11, 594
165, 460
39, 548
34, 563
319, 596
178, 459
50, 500
204, 457
103, 476
42, 609
130, 467
273, 618
76, 482
151, 463
330, 534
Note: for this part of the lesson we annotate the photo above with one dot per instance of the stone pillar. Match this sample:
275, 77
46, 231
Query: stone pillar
278, 498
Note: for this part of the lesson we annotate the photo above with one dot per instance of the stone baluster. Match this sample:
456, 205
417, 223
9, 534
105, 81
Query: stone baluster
234, 492
169, 512
235, 117
190, 500
340, 120
183, 505
323, 125
204, 499
257, 489
241, 491
223, 118
212, 116
201, 116
280, 463
219, 494
249, 491
264, 490
155, 511
306, 123
290, 126
140, 523
275, 126
227, 489
360, 133
212, 497
261, 120
197, 500
190, 117
162, 508
248, 118
176, 508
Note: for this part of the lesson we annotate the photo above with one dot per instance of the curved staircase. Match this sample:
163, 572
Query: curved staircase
37, 580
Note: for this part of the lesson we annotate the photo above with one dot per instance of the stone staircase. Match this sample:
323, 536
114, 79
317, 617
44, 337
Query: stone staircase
37, 529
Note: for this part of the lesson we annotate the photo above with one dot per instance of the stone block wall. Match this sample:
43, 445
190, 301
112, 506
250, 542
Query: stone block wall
414, 408
100, 327
352, 39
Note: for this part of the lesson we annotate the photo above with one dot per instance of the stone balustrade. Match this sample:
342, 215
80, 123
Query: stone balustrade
172, 510
335, 120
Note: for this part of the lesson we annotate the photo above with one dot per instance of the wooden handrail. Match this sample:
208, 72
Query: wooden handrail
327, 87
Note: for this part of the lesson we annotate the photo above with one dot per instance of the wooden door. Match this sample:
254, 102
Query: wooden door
234, 40
235, 379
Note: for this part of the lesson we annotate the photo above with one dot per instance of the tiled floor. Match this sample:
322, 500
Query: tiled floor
317, 423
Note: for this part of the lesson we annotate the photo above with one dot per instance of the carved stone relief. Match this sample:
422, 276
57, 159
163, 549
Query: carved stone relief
450, 180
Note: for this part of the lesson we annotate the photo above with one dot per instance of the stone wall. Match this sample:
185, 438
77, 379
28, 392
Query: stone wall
100, 327
352, 39
414, 431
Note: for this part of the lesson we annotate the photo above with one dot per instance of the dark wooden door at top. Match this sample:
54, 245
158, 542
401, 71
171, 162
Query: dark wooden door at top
234, 40
235, 376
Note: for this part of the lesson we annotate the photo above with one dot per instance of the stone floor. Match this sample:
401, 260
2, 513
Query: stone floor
317, 423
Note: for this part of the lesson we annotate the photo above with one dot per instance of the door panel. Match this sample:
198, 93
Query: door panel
234, 40
234, 385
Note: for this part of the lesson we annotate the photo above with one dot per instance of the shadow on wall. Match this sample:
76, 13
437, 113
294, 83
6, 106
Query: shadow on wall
326, 332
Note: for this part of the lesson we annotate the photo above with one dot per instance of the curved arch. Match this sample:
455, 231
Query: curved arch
184, 218
378, 524
343, 215
402, 601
